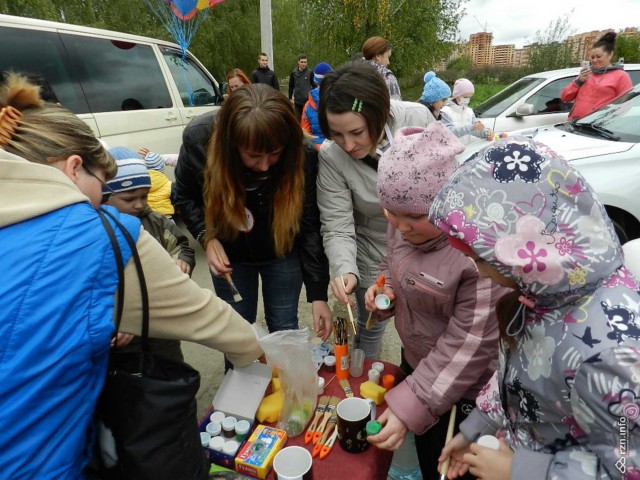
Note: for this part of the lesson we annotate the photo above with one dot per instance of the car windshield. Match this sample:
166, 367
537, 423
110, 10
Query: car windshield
617, 121
497, 104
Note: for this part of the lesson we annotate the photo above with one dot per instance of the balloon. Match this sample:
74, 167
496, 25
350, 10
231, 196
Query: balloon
184, 7
214, 2
184, 16
202, 4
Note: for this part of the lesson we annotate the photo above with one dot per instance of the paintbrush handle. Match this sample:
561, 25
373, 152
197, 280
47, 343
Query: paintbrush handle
227, 277
452, 424
218, 253
326, 448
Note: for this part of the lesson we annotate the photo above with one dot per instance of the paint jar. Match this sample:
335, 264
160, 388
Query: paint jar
357, 363
373, 427
230, 447
382, 301
214, 429
330, 363
204, 439
378, 366
242, 428
489, 441
342, 361
320, 385
374, 376
388, 382
229, 427
216, 443
217, 417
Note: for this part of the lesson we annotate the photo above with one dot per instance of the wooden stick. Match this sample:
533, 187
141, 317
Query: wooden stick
452, 423
353, 323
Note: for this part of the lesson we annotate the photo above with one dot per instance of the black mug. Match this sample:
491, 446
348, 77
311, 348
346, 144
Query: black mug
353, 415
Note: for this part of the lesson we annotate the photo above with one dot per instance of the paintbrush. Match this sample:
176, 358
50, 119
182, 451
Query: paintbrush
331, 409
234, 291
346, 387
317, 448
452, 422
322, 406
353, 323
379, 286
326, 448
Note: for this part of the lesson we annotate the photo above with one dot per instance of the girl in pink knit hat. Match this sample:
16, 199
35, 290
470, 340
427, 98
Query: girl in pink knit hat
444, 312
459, 117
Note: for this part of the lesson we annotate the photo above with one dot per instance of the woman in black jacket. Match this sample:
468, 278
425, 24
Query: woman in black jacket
261, 214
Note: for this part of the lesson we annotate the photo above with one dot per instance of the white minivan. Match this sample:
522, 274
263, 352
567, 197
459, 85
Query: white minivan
133, 91
534, 100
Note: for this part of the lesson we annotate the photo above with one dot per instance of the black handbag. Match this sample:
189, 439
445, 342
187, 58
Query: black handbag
148, 401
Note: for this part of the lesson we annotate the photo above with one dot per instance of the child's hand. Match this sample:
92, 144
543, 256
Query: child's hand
184, 266
143, 152
456, 448
392, 434
478, 126
370, 297
490, 464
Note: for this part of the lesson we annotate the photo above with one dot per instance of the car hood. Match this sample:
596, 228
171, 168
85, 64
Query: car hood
569, 145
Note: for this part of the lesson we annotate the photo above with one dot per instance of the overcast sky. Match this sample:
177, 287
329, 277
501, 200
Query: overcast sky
517, 21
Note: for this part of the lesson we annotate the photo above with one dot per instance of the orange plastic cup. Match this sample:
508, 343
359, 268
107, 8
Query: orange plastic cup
388, 382
342, 360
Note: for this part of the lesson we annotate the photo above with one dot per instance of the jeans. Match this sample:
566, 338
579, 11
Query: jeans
281, 286
368, 340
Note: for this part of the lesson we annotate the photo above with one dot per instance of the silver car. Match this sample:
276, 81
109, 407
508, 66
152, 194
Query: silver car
534, 100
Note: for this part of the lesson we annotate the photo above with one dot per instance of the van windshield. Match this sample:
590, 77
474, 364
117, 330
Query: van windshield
502, 100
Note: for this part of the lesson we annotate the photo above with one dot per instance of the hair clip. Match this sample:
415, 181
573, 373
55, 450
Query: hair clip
357, 105
9, 117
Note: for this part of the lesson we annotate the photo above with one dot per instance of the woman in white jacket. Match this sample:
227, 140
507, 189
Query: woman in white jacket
359, 121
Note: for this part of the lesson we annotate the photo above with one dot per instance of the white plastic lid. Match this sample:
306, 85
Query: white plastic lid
382, 301
230, 447
213, 429
204, 439
216, 443
242, 427
489, 441
217, 417
229, 423
330, 360
379, 366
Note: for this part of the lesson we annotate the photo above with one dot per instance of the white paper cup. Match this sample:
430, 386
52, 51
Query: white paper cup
293, 463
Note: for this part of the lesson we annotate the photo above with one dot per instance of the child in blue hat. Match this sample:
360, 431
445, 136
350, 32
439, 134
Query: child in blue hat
435, 94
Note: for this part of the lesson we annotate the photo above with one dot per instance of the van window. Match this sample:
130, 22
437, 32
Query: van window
195, 87
547, 99
42, 53
118, 75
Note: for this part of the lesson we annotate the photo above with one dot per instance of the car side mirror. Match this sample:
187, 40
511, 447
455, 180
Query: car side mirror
525, 109
224, 87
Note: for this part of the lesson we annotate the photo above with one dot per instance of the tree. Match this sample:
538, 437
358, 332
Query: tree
421, 31
463, 63
550, 51
627, 47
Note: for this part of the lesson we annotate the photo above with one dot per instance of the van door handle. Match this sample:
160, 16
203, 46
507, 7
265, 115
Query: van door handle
171, 117
190, 114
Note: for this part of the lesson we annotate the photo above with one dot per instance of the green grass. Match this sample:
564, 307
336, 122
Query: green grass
412, 93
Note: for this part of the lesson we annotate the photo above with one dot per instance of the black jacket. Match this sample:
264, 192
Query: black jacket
265, 75
251, 246
300, 84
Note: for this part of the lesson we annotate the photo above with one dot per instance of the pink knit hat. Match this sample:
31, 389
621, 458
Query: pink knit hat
462, 87
412, 170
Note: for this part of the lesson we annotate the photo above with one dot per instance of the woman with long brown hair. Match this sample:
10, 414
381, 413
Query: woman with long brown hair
261, 214
236, 78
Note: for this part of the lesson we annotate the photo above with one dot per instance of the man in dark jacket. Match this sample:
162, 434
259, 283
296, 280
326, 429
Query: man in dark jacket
300, 84
263, 74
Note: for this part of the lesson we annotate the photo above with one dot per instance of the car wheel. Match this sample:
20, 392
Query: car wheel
620, 231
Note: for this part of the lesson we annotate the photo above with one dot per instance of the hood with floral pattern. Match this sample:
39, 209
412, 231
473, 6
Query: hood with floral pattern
533, 217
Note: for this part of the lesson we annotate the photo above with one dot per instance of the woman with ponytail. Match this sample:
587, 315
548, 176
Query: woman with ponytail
565, 400
599, 83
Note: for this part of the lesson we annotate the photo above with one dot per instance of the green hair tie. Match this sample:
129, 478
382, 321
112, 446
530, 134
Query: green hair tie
357, 105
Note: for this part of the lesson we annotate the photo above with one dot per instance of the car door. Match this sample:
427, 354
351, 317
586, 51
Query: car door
548, 109
126, 92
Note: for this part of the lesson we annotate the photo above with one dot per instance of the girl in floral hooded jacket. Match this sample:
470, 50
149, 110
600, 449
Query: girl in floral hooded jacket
565, 400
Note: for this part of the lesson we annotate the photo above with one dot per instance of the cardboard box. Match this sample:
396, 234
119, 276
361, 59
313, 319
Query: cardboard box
215, 456
242, 390
256, 455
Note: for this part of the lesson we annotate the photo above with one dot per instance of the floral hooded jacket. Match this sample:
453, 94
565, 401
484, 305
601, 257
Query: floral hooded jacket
567, 397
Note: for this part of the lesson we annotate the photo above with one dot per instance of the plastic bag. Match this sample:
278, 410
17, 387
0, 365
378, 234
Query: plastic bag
290, 353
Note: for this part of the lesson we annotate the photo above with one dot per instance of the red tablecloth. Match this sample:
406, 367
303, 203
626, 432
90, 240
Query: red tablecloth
373, 464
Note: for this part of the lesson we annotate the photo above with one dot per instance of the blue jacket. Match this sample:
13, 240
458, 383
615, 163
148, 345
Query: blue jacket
310, 120
48, 389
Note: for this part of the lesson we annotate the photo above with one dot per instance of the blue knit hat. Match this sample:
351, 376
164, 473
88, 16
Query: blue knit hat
434, 88
132, 171
320, 70
154, 162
